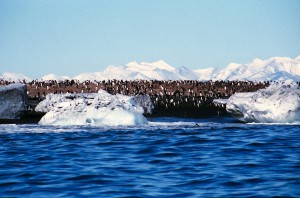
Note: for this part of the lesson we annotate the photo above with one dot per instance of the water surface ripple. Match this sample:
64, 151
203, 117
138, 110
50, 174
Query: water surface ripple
168, 158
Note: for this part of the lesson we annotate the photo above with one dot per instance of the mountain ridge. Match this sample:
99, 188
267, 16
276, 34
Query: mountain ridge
274, 68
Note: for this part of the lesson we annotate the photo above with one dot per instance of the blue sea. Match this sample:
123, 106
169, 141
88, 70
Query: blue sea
170, 157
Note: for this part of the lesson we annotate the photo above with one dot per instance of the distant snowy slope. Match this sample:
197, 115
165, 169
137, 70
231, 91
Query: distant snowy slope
9, 76
187, 74
206, 74
55, 77
144, 66
111, 72
276, 68
159, 70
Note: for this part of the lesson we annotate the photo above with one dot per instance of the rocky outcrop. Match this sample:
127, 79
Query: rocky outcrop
13, 101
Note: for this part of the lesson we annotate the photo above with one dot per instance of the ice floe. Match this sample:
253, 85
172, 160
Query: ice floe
99, 108
278, 103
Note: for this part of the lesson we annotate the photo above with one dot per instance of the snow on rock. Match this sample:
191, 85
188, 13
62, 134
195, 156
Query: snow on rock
100, 109
278, 103
13, 101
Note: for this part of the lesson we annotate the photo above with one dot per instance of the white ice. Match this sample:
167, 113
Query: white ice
97, 109
278, 103
220, 101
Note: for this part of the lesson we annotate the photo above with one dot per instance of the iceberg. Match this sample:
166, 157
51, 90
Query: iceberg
278, 103
98, 109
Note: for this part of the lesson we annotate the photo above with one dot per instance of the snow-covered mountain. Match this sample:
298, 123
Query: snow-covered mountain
187, 74
206, 74
55, 77
276, 68
14, 77
159, 70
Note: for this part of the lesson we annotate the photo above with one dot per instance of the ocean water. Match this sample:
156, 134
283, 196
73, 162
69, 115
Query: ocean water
167, 158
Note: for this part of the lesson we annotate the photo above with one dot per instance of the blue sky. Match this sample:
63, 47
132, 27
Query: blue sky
69, 37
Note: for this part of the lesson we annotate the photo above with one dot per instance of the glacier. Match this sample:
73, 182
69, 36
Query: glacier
97, 109
278, 103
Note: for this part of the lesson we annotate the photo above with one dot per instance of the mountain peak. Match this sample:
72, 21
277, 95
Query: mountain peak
281, 59
257, 61
233, 66
132, 63
11, 76
162, 65
275, 68
160, 62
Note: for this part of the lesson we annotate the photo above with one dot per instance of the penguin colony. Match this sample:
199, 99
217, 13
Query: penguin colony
182, 98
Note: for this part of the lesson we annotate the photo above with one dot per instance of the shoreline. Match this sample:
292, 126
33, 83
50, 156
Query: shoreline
33, 117
181, 99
